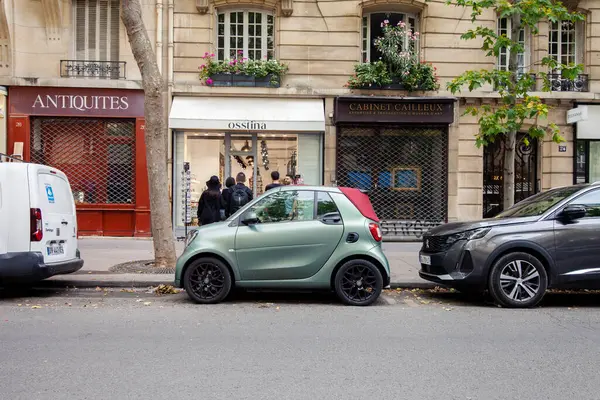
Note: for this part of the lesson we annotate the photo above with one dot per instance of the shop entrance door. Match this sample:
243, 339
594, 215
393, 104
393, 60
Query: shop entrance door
241, 156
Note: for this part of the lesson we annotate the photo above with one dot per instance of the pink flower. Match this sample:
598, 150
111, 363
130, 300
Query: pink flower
240, 51
206, 53
401, 24
202, 66
212, 54
417, 33
209, 82
385, 21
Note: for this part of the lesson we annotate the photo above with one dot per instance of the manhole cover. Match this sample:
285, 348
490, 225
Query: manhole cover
140, 267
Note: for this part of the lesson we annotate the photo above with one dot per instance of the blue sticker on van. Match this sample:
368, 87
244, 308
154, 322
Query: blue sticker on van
50, 193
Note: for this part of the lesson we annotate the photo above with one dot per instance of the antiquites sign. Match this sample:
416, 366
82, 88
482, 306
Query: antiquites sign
420, 110
76, 102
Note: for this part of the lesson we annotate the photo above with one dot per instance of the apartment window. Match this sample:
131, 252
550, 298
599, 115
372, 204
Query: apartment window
96, 29
372, 28
246, 33
505, 28
564, 42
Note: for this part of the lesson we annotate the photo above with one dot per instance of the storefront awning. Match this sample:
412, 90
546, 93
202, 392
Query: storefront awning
247, 114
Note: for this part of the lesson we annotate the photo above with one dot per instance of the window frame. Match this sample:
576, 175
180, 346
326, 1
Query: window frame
578, 44
526, 57
109, 40
365, 32
245, 35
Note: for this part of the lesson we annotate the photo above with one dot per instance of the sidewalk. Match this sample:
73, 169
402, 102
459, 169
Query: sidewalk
100, 254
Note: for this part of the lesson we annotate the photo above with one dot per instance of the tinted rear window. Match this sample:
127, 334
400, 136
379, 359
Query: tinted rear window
55, 195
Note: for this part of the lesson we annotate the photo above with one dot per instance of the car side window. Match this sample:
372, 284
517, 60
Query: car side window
325, 204
591, 202
285, 206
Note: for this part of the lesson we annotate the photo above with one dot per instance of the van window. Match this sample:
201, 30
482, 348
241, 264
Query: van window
55, 194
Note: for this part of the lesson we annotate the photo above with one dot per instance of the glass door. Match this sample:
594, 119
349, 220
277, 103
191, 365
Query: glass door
241, 156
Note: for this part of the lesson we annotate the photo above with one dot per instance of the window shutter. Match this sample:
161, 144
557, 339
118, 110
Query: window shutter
115, 24
103, 31
92, 43
80, 29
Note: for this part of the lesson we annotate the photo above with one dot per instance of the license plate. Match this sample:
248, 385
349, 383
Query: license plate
425, 260
55, 250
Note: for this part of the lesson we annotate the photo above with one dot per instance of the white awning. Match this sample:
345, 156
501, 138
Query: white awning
247, 114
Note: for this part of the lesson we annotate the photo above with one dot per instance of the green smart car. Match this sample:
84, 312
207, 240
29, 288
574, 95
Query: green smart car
292, 237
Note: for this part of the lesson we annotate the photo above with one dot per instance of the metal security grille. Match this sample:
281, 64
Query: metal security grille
405, 170
493, 166
97, 155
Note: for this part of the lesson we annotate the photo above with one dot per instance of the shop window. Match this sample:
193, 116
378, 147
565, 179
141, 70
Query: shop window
249, 34
286, 206
96, 30
504, 28
587, 161
98, 162
372, 28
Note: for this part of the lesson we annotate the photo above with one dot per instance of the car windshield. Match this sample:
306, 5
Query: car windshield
540, 203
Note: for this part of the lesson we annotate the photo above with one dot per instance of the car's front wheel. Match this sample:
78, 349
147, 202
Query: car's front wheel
518, 280
358, 283
207, 281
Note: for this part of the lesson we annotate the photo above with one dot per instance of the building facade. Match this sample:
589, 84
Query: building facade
415, 152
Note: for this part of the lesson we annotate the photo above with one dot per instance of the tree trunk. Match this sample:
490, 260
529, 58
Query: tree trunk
508, 178
155, 133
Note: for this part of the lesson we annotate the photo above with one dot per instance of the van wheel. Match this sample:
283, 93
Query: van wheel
518, 280
358, 283
207, 281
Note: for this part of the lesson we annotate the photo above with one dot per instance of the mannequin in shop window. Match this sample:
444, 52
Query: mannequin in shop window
209, 206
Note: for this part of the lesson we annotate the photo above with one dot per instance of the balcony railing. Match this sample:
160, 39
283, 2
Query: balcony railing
93, 69
560, 84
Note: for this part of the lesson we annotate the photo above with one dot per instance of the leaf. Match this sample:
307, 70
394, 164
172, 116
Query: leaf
147, 303
36, 307
98, 289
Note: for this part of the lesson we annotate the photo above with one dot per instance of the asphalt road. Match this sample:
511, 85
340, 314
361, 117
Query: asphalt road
119, 345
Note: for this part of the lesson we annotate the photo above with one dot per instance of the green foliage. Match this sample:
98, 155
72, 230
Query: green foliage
399, 64
241, 66
516, 106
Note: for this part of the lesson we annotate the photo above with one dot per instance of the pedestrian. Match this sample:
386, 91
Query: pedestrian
226, 197
240, 194
209, 206
275, 183
287, 181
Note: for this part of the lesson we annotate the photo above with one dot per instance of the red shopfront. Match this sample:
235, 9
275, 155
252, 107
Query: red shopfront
95, 136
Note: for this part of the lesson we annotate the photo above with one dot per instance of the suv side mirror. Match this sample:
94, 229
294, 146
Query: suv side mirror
573, 212
250, 218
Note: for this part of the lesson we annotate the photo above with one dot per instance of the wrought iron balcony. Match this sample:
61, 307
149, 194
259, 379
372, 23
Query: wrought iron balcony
93, 69
560, 84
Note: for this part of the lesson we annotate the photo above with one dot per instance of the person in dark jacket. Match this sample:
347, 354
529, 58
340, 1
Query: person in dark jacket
226, 195
240, 194
209, 205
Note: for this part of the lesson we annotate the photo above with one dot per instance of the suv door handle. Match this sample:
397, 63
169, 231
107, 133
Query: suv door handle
64, 222
331, 218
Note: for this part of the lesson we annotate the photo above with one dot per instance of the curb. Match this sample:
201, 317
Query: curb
83, 284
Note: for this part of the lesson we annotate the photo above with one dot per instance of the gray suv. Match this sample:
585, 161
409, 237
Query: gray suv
551, 239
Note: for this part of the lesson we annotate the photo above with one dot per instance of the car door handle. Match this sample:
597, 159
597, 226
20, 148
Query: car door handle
64, 223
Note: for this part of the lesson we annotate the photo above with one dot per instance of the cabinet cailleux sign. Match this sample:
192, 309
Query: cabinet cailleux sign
428, 110
91, 102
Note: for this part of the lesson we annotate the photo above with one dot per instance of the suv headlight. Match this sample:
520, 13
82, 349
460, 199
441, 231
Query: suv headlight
190, 237
472, 234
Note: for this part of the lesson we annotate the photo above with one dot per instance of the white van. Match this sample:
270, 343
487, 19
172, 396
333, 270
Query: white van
38, 225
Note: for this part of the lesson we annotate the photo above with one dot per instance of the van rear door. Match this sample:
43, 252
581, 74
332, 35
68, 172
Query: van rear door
50, 192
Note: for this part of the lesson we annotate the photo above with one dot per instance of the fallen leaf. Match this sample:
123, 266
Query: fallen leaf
147, 303
19, 304
165, 289
128, 290
138, 300
447, 308
35, 307
89, 272
98, 289
277, 308
425, 301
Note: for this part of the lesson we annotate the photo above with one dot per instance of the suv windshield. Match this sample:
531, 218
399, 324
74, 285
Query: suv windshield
540, 203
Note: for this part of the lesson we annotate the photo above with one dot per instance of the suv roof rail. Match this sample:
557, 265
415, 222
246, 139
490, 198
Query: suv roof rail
11, 158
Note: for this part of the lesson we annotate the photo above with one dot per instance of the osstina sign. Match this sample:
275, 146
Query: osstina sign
248, 125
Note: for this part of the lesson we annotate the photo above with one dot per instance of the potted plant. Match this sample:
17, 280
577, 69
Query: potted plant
242, 72
399, 67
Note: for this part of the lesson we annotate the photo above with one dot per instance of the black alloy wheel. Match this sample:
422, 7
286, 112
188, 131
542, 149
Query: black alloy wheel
207, 281
358, 283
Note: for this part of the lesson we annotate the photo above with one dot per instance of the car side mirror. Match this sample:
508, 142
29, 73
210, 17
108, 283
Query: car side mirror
573, 212
250, 218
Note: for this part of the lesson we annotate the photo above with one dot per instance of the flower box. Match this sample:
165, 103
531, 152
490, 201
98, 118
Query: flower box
242, 80
269, 81
221, 80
